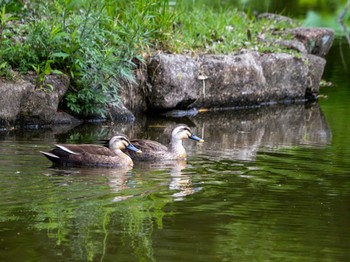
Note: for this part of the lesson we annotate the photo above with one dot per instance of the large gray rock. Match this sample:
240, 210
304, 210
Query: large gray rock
24, 104
173, 80
231, 80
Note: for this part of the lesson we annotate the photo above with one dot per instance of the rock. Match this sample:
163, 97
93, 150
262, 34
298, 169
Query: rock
315, 67
182, 83
10, 99
293, 44
175, 76
121, 113
232, 80
63, 118
132, 94
24, 104
181, 113
241, 80
317, 41
290, 78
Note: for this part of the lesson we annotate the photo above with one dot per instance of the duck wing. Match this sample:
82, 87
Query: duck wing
148, 146
83, 149
151, 150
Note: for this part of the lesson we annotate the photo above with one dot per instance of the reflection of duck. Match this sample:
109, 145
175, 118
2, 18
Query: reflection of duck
152, 150
93, 155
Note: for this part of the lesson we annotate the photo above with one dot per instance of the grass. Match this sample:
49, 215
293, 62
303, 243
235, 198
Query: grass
100, 43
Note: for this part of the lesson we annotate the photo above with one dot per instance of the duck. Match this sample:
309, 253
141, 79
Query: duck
93, 155
154, 151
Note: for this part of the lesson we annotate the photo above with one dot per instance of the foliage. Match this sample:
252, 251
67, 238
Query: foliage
97, 42
224, 31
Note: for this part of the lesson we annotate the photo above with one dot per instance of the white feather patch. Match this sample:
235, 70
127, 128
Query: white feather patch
49, 154
67, 150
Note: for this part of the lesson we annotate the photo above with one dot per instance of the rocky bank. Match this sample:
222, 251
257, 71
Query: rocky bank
183, 82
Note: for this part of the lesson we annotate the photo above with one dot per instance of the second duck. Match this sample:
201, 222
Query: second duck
152, 150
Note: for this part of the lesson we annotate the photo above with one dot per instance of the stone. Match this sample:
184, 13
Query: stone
232, 80
317, 41
175, 76
11, 97
132, 94
120, 113
248, 79
63, 118
24, 104
293, 44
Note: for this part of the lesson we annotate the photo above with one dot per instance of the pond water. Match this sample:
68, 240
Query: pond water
267, 184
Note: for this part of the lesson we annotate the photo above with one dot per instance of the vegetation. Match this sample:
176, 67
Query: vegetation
100, 43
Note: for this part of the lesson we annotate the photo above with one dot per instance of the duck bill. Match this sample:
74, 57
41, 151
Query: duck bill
133, 148
196, 138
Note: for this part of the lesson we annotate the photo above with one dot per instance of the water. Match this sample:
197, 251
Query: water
269, 184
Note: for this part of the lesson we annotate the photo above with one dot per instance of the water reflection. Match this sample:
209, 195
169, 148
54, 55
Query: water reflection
104, 213
238, 134
241, 136
179, 180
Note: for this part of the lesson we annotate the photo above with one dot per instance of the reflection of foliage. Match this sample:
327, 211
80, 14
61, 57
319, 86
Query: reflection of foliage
77, 211
139, 217
279, 204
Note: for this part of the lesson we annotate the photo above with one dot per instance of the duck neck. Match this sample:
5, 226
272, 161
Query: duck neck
177, 148
126, 160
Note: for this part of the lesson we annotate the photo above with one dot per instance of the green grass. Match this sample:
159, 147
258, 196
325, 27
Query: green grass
97, 43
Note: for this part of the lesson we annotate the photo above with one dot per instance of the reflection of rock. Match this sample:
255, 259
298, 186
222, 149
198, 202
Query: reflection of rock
241, 134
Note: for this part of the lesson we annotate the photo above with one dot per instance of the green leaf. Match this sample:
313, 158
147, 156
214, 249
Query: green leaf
60, 55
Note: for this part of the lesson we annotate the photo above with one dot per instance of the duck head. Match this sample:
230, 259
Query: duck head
122, 142
182, 131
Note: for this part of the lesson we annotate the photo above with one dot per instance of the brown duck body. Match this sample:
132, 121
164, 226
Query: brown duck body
92, 155
154, 151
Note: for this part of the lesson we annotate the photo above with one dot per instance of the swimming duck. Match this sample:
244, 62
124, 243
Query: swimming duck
152, 150
93, 155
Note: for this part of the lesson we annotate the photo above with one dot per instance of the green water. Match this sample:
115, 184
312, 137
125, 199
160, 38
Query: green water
269, 184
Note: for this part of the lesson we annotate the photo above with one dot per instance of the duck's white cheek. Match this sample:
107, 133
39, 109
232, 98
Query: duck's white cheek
185, 136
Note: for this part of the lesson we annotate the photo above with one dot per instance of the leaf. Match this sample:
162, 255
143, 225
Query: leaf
60, 54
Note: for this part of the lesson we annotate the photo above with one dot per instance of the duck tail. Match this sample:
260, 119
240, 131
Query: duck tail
50, 156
